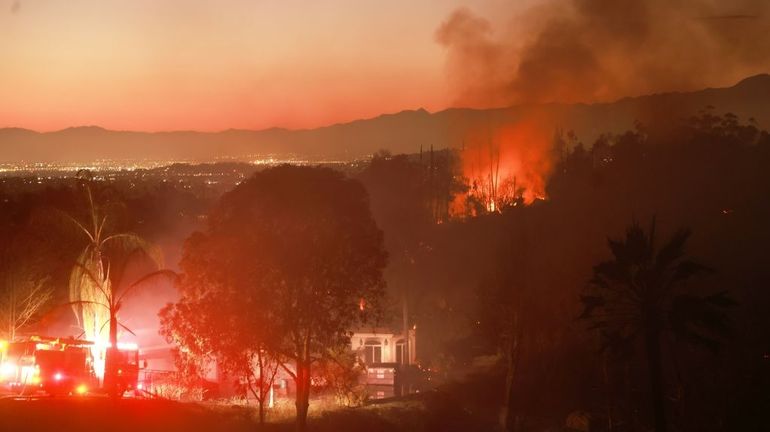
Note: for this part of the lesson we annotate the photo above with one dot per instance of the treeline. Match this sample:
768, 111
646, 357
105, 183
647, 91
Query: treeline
706, 174
513, 284
40, 244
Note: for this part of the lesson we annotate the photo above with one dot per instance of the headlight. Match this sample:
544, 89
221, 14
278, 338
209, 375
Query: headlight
7, 369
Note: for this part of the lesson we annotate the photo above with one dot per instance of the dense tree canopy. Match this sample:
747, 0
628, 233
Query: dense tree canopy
286, 261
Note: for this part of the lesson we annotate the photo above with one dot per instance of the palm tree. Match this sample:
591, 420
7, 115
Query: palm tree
641, 293
90, 283
112, 304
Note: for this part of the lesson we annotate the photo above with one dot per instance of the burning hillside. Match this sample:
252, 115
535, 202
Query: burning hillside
577, 51
506, 165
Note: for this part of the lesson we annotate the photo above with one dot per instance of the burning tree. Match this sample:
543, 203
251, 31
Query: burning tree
281, 269
507, 166
91, 287
113, 303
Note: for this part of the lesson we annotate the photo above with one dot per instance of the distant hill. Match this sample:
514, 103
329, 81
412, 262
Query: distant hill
405, 131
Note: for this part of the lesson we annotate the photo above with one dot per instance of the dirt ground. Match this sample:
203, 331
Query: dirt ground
86, 414
105, 415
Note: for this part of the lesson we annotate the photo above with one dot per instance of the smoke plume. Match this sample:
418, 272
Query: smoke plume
585, 51
601, 50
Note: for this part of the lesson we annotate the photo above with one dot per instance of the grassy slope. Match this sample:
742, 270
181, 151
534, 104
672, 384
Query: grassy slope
434, 411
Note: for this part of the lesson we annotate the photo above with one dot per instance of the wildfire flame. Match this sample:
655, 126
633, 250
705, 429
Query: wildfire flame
506, 166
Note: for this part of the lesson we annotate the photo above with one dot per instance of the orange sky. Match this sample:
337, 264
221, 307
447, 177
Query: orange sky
212, 65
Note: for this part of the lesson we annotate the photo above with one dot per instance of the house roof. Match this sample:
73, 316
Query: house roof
376, 330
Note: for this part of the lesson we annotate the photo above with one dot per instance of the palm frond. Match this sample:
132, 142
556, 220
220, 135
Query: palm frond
159, 274
611, 270
617, 343
721, 299
127, 329
700, 320
99, 284
129, 242
75, 223
101, 329
673, 249
687, 269
77, 276
100, 229
85, 302
590, 303
639, 282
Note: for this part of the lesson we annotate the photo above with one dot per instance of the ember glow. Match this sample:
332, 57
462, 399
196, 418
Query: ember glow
508, 165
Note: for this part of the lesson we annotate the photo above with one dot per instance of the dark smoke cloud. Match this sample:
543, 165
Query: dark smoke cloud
601, 50
16, 7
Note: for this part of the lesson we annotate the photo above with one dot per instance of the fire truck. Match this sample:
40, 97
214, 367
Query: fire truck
126, 357
55, 366
62, 366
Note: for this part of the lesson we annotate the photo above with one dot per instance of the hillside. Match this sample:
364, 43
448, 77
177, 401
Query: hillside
405, 131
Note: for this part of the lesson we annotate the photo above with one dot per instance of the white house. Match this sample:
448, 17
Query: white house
377, 346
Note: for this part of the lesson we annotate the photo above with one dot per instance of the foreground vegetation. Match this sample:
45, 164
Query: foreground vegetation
674, 331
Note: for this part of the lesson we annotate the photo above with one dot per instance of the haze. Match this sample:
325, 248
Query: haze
208, 66
180, 64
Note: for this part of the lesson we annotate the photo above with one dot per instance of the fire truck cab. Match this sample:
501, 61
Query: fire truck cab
65, 366
52, 365
126, 357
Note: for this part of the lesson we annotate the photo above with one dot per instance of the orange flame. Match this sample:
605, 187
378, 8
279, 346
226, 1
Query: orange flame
506, 166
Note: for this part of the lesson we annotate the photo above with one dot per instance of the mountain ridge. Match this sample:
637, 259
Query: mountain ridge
403, 131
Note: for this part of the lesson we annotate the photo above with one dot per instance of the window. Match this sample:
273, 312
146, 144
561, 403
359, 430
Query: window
372, 352
400, 358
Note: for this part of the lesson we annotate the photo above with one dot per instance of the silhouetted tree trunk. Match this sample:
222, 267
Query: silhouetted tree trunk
263, 383
302, 401
262, 394
608, 387
405, 317
630, 406
512, 359
652, 342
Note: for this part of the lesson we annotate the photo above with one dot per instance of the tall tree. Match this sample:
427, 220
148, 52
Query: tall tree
91, 285
299, 247
117, 283
510, 300
402, 205
642, 293
224, 321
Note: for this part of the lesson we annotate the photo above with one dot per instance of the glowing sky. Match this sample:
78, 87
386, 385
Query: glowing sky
212, 65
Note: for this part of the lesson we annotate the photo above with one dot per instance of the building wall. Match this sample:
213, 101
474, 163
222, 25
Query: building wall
387, 342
